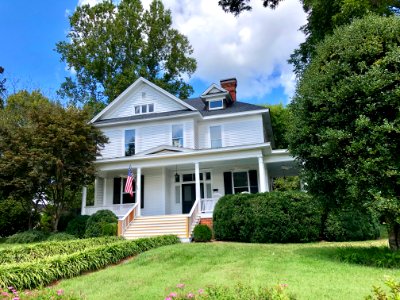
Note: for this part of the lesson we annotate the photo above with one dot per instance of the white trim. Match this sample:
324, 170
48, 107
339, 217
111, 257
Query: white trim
147, 120
215, 108
212, 86
130, 88
164, 147
192, 153
246, 113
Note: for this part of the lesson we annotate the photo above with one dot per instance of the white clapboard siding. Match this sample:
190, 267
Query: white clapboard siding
114, 147
188, 134
99, 188
151, 136
235, 131
126, 107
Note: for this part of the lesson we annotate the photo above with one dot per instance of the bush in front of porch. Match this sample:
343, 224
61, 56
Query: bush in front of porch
276, 217
102, 223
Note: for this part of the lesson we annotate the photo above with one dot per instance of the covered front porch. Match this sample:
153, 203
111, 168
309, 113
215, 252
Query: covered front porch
182, 185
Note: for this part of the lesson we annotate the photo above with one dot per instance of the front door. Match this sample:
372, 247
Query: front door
188, 197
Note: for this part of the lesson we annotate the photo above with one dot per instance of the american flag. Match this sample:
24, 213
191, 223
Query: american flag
129, 182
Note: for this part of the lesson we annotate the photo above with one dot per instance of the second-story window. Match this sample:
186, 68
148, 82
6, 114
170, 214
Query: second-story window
177, 135
130, 142
216, 104
215, 136
144, 109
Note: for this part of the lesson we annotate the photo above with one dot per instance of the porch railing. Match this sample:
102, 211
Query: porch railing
119, 209
208, 204
192, 219
123, 222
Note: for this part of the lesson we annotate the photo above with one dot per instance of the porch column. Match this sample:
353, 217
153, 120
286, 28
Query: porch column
197, 178
139, 190
84, 194
104, 191
263, 175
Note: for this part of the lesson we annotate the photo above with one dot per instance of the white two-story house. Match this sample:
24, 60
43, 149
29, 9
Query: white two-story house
185, 154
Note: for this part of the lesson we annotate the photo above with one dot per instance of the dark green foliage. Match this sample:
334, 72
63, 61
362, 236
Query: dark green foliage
65, 218
61, 236
102, 223
30, 236
42, 272
380, 257
280, 121
27, 253
77, 226
13, 217
346, 123
351, 225
202, 233
276, 217
285, 184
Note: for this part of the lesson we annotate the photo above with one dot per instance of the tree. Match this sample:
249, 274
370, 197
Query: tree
112, 45
2, 88
322, 18
47, 152
280, 119
346, 123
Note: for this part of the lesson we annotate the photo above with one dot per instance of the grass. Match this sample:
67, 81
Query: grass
310, 270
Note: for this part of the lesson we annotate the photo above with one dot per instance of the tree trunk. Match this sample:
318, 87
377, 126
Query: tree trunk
394, 236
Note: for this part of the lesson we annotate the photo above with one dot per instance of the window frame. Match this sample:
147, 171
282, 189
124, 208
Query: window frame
211, 139
217, 107
177, 138
147, 108
125, 142
233, 182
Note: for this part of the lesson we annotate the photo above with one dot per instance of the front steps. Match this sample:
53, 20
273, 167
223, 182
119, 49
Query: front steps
159, 225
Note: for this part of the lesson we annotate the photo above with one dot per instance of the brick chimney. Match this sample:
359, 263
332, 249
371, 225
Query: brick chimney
230, 85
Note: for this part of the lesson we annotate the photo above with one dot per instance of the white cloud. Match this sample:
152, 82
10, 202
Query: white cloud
253, 47
90, 2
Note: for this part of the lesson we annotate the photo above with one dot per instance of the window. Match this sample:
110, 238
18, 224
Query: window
130, 142
215, 136
240, 182
177, 135
144, 109
216, 104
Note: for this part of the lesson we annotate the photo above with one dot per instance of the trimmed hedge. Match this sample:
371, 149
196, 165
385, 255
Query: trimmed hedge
102, 223
46, 249
61, 236
202, 233
30, 236
77, 226
275, 217
351, 225
43, 272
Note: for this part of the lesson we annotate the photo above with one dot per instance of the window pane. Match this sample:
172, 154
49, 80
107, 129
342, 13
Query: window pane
177, 194
216, 104
129, 142
137, 109
215, 132
187, 177
241, 190
208, 176
240, 179
216, 143
201, 190
208, 187
177, 131
201, 176
177, 142
151, 107
144, 109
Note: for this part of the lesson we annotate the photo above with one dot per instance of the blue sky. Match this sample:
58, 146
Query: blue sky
29, 31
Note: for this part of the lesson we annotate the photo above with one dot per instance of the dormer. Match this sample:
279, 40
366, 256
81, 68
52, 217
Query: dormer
220, 97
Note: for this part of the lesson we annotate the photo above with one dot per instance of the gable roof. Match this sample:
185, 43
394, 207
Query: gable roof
132, 87
213, 90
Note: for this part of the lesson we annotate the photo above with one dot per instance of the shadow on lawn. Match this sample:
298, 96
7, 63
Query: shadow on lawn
372, 256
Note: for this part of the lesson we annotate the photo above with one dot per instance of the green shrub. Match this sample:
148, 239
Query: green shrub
64, 220
77, 226
97, 224
14, 218
275, 217
46, 249
61, 236
381, 257
351, 225
202, 233
42, 272
380, 294
30, 236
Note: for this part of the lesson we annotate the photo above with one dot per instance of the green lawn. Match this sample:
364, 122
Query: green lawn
310, 270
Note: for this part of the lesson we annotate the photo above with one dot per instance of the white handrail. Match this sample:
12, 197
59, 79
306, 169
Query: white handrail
124, 222
196, 203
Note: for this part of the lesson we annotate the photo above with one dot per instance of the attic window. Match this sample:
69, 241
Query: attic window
216, 104
144, 109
